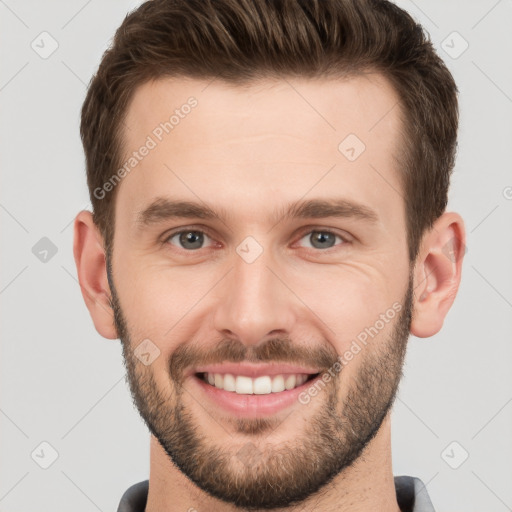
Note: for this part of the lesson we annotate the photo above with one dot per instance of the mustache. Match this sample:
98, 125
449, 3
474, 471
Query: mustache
230, 350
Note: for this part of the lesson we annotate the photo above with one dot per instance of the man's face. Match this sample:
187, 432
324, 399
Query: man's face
257, 288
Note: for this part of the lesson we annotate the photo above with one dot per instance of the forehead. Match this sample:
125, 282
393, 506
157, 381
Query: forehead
266, 140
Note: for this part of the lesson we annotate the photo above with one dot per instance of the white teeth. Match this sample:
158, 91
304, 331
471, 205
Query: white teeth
229, 382
290, 382
243, 385
262, 385
277, 384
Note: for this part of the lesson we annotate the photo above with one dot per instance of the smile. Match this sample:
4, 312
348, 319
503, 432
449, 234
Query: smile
251, 397
262, 385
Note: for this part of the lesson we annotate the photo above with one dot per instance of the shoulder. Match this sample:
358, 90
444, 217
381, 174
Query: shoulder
134, 498
411, 494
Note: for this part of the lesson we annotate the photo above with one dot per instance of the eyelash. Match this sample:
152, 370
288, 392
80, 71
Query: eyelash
306, 231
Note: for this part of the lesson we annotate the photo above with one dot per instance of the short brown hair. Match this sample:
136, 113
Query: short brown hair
241, 41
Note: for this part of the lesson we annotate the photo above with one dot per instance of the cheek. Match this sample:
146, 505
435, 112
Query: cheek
353, 305
347, 299
160, 302
157, 291
169, 305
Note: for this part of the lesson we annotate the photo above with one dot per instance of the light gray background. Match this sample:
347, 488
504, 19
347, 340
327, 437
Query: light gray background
63, 384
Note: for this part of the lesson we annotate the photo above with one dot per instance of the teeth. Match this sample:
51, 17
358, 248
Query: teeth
262, 385
259, 386
229, 383
278, 384
290, 382
243, 385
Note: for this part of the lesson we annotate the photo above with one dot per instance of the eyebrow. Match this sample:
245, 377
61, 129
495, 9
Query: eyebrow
162, 209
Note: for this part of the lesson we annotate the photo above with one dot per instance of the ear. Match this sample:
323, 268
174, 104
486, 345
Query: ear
92, 273
437, 274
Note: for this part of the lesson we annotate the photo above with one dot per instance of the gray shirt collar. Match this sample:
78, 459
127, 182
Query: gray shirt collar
411, 496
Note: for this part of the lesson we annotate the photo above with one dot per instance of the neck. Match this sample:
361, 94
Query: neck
365, 486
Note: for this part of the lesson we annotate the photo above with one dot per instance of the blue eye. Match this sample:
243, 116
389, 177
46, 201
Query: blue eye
189, 239
194, 239
321, 239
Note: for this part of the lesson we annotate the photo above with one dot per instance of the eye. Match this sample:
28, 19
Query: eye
194, 239
189, 239
322, 239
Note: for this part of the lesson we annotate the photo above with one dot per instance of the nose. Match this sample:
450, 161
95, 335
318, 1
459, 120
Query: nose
255, 302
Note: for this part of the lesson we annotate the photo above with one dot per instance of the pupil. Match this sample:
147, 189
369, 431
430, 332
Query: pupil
321, 238
191, 237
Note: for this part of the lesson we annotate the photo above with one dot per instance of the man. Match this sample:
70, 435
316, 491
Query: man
269, 183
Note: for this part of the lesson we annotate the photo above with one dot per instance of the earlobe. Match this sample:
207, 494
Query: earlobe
90, 263
437, 274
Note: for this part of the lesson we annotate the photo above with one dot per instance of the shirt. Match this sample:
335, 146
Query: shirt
411, 495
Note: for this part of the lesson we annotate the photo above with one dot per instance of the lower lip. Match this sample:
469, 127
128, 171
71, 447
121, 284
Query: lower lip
252, 406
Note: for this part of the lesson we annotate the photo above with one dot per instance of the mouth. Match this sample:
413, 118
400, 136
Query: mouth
261, 385
257, 395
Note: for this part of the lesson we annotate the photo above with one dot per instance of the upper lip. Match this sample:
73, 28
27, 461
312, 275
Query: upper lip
253, 369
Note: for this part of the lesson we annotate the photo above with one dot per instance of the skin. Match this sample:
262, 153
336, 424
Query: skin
249, 151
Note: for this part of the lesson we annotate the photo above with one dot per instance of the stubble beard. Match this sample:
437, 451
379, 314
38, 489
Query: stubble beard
248, 471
